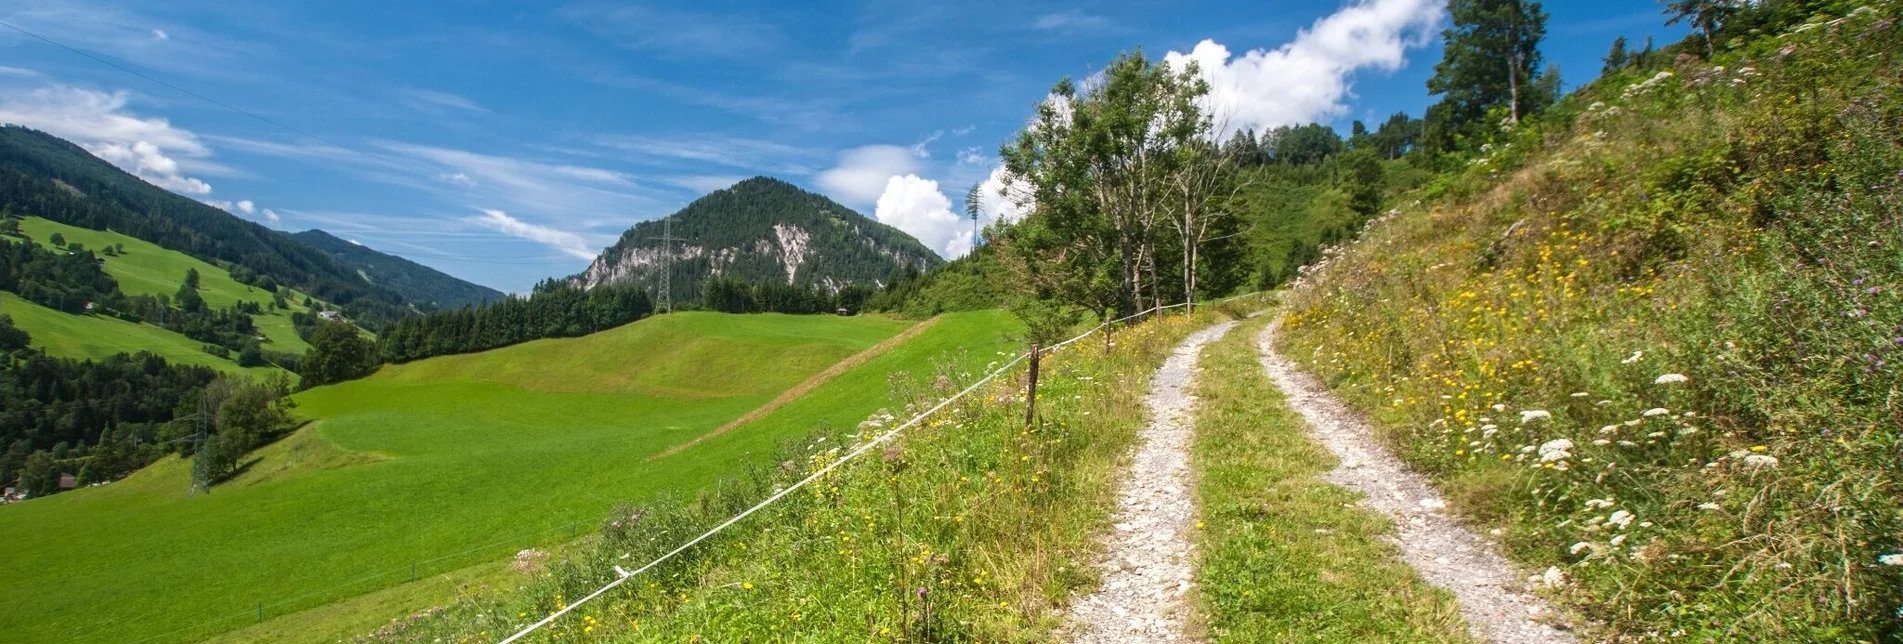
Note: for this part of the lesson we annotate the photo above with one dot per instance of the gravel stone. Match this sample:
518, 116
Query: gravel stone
1490, 592
1150, 565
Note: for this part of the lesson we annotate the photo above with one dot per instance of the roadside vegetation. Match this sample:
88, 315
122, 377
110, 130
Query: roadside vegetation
1653, 334
970, 526
1285, 555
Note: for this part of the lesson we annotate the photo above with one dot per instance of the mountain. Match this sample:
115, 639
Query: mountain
762, 230
44, 175
418, 284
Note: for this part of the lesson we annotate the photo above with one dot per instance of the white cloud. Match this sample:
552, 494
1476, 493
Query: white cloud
148, 147
1309, 78
1073, 20
862, 174
733, 152
458, 178
923, 147
245, 206
705, 182
1001, 198
159, 34
271, 216
972, 156
19, 72
917, 207
567, 242
434, 102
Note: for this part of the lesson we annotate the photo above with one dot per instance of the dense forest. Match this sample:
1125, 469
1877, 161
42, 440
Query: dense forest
426, 288
556, 309
750, 232
49, 177
734, 296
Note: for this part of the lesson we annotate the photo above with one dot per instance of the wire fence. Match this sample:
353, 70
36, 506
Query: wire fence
259, 611
622, 576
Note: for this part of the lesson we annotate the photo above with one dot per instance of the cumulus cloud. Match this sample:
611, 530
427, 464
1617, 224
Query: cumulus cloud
246, 206
562, 240
151, 148
862, 174
1309, 78
916, 206
271, 216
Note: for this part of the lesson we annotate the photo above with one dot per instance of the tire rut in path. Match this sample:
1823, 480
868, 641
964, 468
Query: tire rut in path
1148, 567
1446, 554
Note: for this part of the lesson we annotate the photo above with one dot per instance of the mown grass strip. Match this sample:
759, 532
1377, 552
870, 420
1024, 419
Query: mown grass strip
1286, 556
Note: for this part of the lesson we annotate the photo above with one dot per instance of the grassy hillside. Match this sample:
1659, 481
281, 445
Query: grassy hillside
97, 336
147, 269
1653, 338
969, 528
444, 463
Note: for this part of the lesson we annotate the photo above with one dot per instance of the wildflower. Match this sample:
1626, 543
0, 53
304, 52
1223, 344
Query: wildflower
1556, 450
1553, 578
1670, 379
1760, 460
1578, 547
1892, 559
1580, 394
1500, 408
1530, 415
1601, 441
1656, 411
1618, 540
1635, 357
1708, 507
1594, 504
1621, 519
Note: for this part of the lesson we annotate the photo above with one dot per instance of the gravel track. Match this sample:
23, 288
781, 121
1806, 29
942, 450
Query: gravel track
1149, 567
1491, 595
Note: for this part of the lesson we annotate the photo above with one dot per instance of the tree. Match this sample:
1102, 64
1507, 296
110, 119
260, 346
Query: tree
1707, 16
1490, 58
1361, 175
10, 226
57, 239
1618, 58
191, 278
1096, 163
12, 337
338, 353
188, 299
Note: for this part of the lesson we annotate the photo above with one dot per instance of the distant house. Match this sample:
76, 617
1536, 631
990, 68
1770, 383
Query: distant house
68, 481
330, 316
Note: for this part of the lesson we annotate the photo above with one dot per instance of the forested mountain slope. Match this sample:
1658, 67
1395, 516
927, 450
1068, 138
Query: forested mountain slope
761, 230
44, 175
1652, 336
418, 284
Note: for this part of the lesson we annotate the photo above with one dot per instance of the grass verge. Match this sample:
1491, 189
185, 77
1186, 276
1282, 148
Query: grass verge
1287, 556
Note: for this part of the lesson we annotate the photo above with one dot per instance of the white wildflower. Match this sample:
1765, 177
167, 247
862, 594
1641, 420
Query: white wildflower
1608, 429
1635, 357
1618, 540
1580, 394
1594, 504
1621, 519
1500, 408
1760, 460
1553, 578
1530, 415
1556, 450
1670, 379
1656, 411
1709, 507
1601, 441
1892, 559
1628, 444
1578, 547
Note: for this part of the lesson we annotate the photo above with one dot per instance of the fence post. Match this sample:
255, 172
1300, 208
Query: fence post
1030, 398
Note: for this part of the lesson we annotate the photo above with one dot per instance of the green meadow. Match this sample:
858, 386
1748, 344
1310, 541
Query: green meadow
99, 336
146, 268
445, 463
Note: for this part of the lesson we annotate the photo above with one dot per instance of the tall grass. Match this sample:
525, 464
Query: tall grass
1654, 337
969, 527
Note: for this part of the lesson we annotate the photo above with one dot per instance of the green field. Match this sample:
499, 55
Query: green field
479, 455
98, 336
148, 269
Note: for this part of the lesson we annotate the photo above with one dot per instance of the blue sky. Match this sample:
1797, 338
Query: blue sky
506, 142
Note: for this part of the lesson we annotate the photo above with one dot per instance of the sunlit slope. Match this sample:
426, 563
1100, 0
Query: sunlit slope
487, 451
145, 268
93, 337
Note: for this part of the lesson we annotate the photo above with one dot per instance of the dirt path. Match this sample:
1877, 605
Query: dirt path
1491, 595
1149, 567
